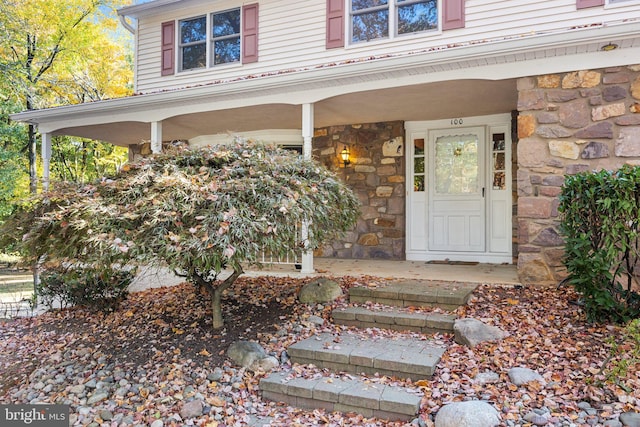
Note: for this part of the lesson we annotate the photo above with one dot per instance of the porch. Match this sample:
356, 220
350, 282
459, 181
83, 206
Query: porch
499, 274
451, 272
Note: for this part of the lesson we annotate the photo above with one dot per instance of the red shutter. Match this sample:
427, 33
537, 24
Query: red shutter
335, 23
452, 14
583, 4
250, 33
168, 48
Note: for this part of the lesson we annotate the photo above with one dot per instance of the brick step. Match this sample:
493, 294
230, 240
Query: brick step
395, 319
415, 293
342, 394
399, 357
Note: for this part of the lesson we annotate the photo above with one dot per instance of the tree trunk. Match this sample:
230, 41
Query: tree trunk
216, 308
215, 293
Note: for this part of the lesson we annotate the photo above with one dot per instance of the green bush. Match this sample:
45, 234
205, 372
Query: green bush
625, 353
101, 288
600, 214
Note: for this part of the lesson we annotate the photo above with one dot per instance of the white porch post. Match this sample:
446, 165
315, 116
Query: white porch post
46, 160
307, 136
156, 137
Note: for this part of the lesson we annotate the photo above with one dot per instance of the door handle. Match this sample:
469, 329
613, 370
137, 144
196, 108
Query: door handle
482, 191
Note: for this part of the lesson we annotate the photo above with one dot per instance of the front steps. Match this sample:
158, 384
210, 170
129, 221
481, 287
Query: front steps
395, 319
414, 293
403, 357
342, 394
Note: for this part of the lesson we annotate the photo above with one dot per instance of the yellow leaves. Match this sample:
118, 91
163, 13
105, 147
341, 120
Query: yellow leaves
421, 383
128, 313
512, 301
177, 331
212, 424
205, 353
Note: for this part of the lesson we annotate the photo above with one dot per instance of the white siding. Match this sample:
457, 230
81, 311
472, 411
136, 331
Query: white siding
292, 35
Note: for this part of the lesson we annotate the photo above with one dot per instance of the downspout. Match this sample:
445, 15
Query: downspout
125, 24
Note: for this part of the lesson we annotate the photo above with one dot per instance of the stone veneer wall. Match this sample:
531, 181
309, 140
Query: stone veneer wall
569, 123
377, 175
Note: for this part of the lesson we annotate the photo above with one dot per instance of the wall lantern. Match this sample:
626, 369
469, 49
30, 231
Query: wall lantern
609, 47
344, 155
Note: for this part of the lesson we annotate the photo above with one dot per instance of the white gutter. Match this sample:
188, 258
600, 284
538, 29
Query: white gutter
248, 87
154, 7
126, 25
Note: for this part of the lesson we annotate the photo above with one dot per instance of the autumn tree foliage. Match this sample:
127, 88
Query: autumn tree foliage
196, 211
56, 53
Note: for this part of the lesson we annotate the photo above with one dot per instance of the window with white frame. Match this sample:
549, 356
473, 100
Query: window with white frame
223, 33
383, 19
193, 43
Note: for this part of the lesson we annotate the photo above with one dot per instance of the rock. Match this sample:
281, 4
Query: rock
630, 419
536, 419
265, 364
96, 397
473, 413
321, 290
77, 389
521, 376
251, 355
191, 409
106, 415
316, 320
486, 378
216, 375
157, 423
471, 332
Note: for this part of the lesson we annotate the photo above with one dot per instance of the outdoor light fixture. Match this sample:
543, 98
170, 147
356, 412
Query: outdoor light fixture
344, 154
609, 46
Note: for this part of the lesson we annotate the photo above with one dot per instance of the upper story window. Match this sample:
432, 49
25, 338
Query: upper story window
193, 43
224, 36
381, 19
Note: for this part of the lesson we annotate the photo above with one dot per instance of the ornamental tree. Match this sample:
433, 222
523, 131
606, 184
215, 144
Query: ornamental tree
195, 211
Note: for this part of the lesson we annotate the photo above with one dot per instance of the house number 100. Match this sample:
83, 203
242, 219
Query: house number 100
456, 121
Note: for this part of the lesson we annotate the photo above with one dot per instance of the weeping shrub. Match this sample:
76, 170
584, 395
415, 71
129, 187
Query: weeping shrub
600, 216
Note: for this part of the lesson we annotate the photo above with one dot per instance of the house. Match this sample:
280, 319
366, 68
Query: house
457, 119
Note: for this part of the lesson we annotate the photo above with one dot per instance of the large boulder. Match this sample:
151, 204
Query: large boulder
471, 332
320, 291
630, 419
252, 356
521, 376
473, 413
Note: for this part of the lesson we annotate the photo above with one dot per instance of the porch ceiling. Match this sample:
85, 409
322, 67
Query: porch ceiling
431, 101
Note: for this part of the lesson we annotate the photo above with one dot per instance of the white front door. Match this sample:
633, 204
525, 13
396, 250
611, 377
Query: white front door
459, 204
456, 194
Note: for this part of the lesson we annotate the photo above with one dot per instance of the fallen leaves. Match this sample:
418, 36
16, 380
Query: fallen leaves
167, 347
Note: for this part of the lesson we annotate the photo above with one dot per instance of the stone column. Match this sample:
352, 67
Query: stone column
569, 123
